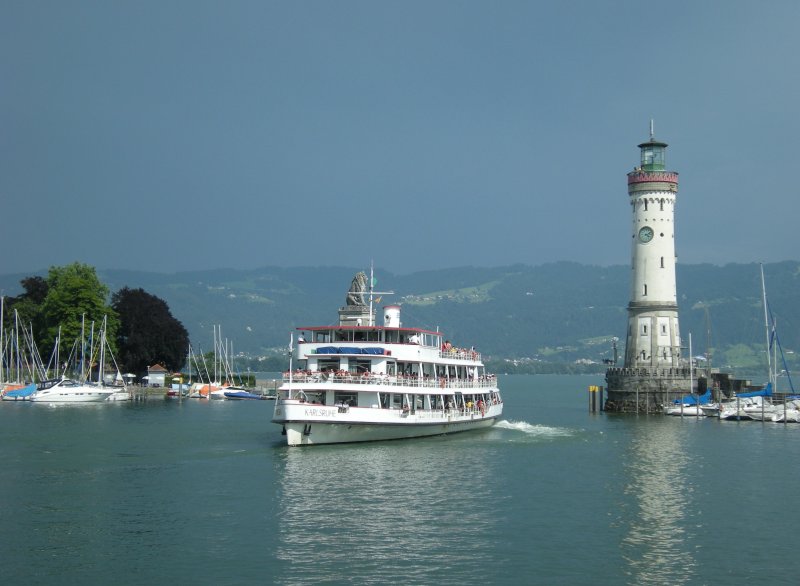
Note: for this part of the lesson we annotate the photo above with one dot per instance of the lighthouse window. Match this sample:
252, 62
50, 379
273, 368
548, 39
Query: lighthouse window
644, 290
645, 205
644, 330
662, 262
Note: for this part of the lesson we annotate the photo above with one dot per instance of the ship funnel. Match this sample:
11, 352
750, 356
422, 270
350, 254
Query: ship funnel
391, 316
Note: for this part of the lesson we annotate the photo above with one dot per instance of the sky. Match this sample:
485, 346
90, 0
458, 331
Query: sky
177, 135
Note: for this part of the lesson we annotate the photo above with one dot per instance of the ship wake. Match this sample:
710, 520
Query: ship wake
534, 431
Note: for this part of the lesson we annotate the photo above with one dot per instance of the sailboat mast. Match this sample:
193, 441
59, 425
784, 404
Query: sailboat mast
2, 331
766, 325
58, 352
691, 366
101, 371
16, 338
83, 345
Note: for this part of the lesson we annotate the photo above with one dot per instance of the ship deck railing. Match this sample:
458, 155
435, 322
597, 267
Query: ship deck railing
460, 354
483, 382
461, 411
439, 413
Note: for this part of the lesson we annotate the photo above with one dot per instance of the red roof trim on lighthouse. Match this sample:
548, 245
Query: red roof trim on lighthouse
652, 177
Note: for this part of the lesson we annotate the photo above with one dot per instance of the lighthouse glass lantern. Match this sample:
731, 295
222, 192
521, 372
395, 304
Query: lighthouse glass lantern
653, 155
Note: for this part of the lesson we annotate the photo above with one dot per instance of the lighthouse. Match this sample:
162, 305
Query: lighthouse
654, 368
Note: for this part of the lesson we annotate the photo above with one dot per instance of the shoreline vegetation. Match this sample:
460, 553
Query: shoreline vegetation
556, 318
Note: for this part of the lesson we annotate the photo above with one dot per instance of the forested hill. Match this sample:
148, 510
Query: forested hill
556, 312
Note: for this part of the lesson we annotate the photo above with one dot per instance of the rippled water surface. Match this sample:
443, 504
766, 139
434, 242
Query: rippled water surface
204, 493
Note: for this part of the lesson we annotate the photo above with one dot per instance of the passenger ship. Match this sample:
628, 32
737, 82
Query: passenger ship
359, 381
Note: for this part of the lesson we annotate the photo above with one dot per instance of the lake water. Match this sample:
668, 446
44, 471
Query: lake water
199, 492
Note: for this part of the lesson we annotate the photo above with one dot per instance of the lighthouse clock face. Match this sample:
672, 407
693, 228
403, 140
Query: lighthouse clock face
646, 234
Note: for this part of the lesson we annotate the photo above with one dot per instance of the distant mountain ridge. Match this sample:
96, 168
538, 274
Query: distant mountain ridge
559, 311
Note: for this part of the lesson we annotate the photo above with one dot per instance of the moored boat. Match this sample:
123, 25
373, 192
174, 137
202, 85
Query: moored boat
19, 393
689, 406
741, 407
69, 391
787, 412
238, 393
362, 382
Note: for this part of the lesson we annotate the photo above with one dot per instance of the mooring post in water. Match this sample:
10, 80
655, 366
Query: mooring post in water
595, 398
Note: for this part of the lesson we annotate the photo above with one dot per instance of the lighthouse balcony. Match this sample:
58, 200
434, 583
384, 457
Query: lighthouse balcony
641, 176
648, 372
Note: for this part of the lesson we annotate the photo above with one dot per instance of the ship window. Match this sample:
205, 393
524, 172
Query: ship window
397, 401
384, 400
359, 366
330, 364
315, 397
345, 398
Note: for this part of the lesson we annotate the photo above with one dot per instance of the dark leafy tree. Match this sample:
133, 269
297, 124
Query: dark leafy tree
148, 334
27, 304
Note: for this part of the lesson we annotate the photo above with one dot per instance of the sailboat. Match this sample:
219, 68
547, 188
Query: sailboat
66, 390
27, 364
755, 404
691, 404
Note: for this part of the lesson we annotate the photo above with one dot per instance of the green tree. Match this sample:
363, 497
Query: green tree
148, 333
75, 297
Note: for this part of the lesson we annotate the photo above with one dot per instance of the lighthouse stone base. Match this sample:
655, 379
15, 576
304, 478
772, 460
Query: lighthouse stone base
647, 390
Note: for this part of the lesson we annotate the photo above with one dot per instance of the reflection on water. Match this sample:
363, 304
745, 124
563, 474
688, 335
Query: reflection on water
420, 509
657, 546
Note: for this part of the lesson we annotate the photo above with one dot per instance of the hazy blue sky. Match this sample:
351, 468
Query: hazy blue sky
177, 135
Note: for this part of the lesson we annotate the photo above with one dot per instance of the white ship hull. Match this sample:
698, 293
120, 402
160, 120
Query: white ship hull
308, 424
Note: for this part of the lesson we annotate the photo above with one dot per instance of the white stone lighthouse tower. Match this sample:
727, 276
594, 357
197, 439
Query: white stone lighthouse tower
653, 337
653, 367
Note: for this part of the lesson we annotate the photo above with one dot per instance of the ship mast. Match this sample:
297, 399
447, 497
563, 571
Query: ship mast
372, 293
